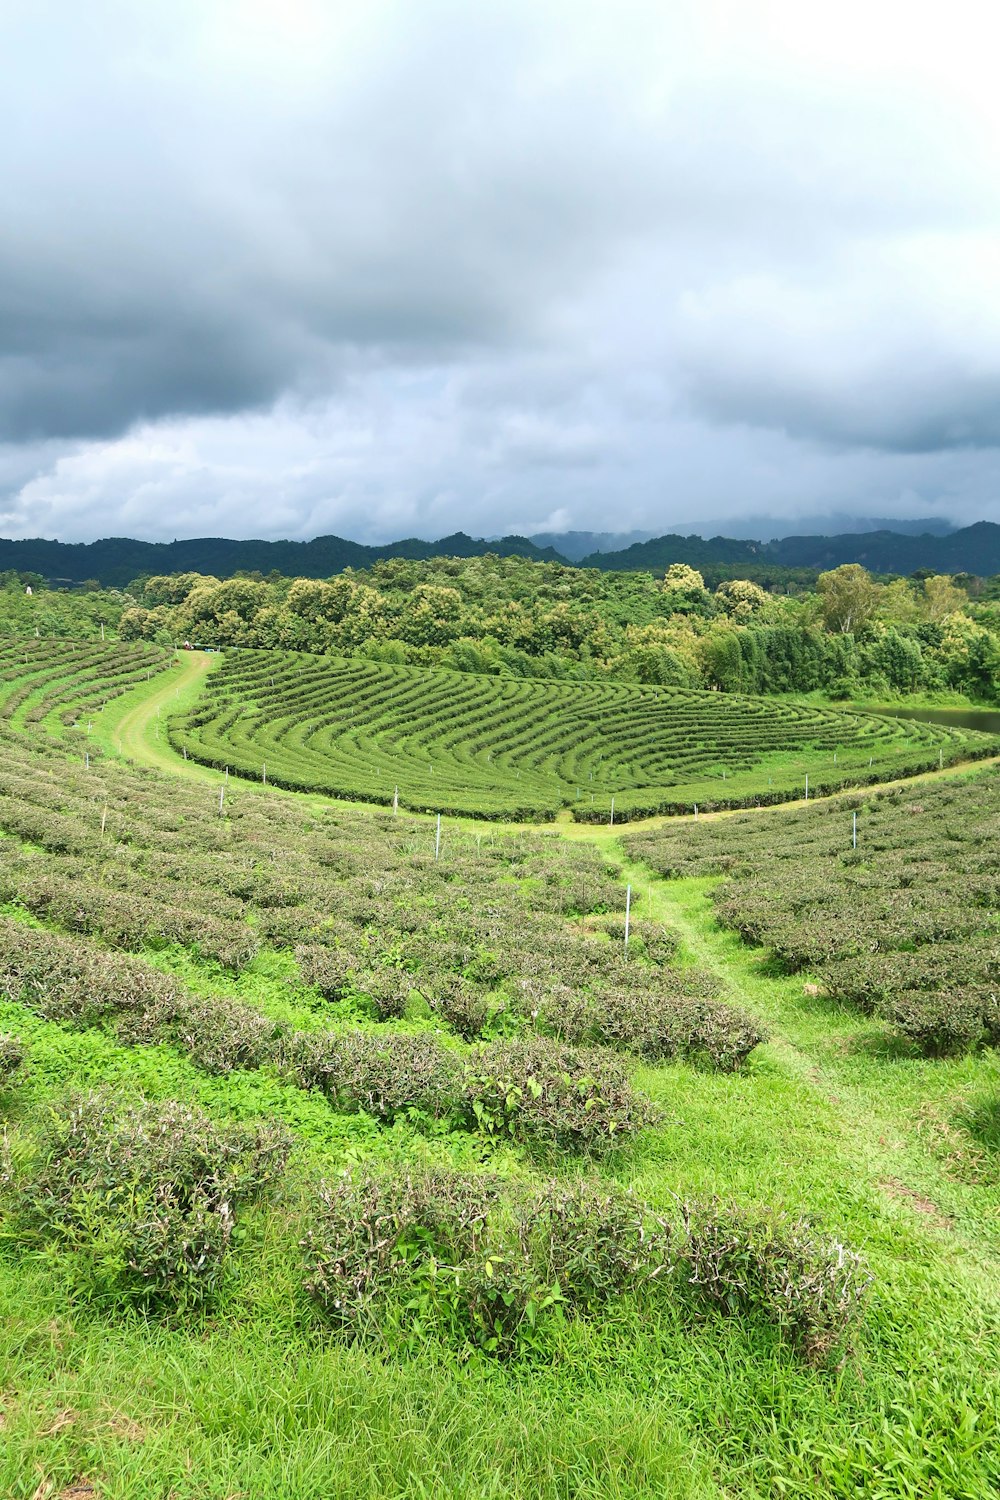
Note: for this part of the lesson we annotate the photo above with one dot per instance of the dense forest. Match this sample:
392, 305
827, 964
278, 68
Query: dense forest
849, 635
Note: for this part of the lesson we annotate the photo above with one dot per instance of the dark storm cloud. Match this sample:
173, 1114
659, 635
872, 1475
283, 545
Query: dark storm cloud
299, 267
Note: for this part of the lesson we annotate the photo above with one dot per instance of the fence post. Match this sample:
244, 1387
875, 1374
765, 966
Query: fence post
628, 912
612, 823
807, 786
437, 838
395, 802
854, 832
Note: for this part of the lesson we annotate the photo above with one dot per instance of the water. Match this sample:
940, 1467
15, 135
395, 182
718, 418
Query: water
985, 719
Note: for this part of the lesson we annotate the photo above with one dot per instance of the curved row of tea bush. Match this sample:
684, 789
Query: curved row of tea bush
906, 924
39, 678
519, 749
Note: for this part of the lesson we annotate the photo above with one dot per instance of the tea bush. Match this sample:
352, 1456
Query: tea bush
383, 1075
903, 926
11, 1059
146, 1196
757, 1263
576, 1098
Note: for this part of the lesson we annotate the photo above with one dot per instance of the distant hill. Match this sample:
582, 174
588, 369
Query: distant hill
973, 549
116, 561
767, 528
576, 544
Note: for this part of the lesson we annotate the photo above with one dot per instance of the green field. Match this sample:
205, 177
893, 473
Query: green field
497, 748
388, 1172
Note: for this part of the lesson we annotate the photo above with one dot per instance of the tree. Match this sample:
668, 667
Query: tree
740, 598
685, 586
849, 597
942, 597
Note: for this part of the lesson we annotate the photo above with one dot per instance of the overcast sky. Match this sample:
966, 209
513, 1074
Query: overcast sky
282, 268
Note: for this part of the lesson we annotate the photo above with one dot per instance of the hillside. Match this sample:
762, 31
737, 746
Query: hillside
479, 746
115, 561
974, 549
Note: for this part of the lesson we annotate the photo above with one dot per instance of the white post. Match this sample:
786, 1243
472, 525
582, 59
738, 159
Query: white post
395, 801
696, 809
807, 786
854, 832
612, 823
628, 912
104, 819
102, 631
263, 774
437, 838
184, 751
222, 794
941, 759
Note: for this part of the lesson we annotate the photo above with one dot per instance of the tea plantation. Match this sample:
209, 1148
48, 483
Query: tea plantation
486, 747
340, 1160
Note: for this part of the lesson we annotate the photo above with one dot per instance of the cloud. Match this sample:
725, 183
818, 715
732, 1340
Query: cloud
286, 268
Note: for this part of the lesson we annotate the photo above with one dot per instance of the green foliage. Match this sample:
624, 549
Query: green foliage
746, 1262
487, 1263
145, 1196
904, 926
440, 741
11, 1059
572, 1098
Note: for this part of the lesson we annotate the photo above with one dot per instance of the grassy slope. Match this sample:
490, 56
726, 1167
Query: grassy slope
828, 1120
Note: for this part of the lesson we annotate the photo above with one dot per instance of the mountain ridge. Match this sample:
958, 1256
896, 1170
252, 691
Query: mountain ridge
116, 561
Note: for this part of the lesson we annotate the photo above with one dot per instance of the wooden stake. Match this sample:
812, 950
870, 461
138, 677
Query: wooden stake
612, 822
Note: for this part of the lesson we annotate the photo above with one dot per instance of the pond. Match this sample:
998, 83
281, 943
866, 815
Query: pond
986, 719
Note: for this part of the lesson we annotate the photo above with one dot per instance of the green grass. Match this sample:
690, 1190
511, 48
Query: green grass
495, 748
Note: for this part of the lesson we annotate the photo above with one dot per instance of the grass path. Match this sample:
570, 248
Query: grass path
135, 724
887, 1113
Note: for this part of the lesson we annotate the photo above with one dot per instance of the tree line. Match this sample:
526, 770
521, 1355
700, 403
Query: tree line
849, 634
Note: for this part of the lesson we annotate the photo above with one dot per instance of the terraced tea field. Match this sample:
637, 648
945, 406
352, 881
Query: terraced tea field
42, 680
486, 747
339, 1162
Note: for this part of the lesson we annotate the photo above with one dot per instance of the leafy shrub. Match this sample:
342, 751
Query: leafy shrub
372, 1229
220, 1035
483, 1261
11, 1059
939, 1023
759, 1263
382, 1075
466, 1009
653, 1023
595, 1241
387, 989
145, 1195
328, 969
538, 1089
